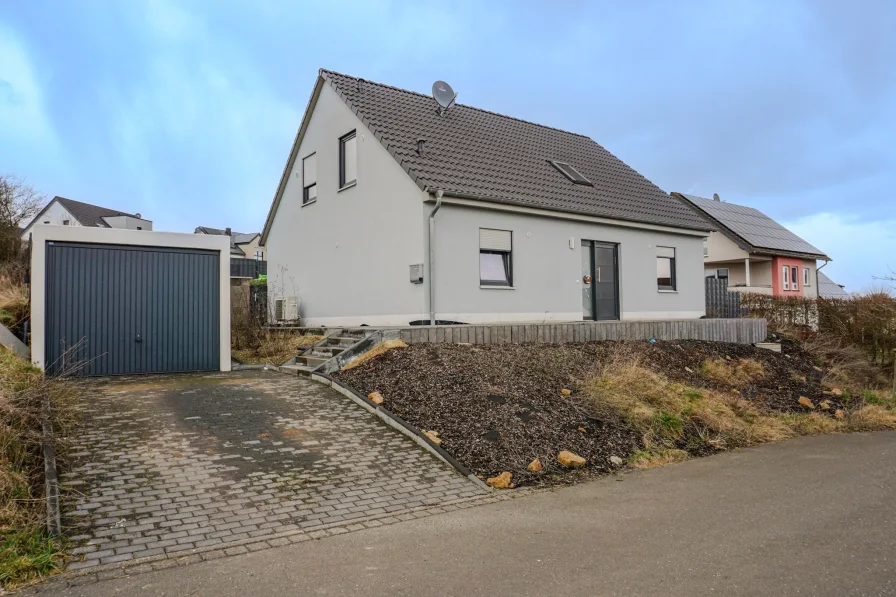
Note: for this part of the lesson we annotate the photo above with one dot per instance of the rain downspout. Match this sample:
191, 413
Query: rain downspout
817, 269
432, 258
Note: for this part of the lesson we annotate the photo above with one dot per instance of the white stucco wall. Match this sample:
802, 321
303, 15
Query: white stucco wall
810, 290
547, 272
54, 216
116, 236
721, 248
128, 223
347, 255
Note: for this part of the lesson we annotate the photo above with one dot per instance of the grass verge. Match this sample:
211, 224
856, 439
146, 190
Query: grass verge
27, 552
676, 420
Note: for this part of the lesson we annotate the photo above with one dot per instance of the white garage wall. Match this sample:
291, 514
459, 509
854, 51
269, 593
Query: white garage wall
114, 236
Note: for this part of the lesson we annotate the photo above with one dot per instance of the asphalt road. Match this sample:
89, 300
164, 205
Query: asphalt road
814, 516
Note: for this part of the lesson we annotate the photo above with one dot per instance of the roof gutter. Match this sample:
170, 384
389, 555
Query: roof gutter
431, 258
569, 212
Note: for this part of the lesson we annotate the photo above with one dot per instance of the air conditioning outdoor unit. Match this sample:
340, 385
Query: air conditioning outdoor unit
286, 308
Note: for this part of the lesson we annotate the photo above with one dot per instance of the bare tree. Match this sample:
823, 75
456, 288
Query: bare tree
19, 202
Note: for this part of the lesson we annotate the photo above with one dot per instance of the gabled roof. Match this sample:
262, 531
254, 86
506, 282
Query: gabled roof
751, 229
236, 238
86, 213
476, 154
827, 288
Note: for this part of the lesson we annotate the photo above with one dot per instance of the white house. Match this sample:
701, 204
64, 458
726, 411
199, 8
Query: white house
389, 212
66, 212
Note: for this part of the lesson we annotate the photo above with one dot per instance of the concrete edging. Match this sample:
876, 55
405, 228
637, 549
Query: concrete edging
51, 476
399, 424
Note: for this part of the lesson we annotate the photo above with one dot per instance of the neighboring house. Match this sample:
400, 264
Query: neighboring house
246, 256
242, 244
827, 288
521, 222
66, 212
755, 253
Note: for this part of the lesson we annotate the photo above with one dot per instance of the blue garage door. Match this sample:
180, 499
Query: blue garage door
119, 310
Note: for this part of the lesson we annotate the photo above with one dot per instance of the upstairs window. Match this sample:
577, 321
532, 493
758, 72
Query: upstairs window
309, 179
665, 268
571, 173
259, 255
495, 263
348, 159
706, 247
66, 222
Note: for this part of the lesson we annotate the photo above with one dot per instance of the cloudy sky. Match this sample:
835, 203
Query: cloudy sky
185, 111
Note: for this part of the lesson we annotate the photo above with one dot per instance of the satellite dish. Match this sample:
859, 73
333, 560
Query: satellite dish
443, 94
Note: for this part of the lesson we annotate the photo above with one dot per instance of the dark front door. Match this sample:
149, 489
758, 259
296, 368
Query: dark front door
117, 310
600, 281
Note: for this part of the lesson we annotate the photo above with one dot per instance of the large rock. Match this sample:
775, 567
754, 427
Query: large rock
502, 481
433, 437
535, 466
616, 461
570, 459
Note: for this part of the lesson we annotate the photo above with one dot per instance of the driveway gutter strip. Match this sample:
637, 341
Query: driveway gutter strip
400, 424
51, 477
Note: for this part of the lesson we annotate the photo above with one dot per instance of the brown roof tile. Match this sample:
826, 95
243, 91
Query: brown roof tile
473, 153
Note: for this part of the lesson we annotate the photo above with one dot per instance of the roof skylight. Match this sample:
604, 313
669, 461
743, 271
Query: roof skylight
571, 173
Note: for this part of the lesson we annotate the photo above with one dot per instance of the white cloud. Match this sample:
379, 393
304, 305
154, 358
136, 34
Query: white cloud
861, 250
27, 129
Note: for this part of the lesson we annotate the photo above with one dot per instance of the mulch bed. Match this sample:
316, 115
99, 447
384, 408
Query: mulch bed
498, 407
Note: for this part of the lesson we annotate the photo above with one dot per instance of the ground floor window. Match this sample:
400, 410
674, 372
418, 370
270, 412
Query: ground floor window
495, 257
665, 268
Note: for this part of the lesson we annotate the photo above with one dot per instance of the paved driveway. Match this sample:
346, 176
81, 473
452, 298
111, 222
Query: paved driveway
813, 516
166, 466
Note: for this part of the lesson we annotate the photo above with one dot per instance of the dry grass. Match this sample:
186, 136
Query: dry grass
376, 351
644, 459
14, 305
275, 347
26, 551
676, 420
671, 416
735, 372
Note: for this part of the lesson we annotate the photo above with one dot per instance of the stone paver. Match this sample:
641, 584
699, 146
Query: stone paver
166, 466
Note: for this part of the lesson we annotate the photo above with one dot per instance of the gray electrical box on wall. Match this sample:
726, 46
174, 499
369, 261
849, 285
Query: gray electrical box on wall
417, 273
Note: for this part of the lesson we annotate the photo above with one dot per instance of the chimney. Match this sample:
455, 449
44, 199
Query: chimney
227, 231
420, 143
715, 197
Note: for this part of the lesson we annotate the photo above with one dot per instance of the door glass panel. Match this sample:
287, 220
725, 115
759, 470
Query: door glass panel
587, 288
605, 282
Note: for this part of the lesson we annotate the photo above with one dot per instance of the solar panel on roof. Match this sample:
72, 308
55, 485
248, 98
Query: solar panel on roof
754, 226
571, 173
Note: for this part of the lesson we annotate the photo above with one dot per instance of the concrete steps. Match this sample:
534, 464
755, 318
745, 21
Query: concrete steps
302, 370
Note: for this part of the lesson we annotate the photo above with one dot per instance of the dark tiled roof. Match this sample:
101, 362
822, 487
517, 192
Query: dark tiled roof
236, 238
89, 215
827, 288
757, 230
477, 154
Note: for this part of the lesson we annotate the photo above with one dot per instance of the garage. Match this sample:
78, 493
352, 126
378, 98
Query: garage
123, 302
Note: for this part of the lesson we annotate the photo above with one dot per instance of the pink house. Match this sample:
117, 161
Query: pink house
755, 253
